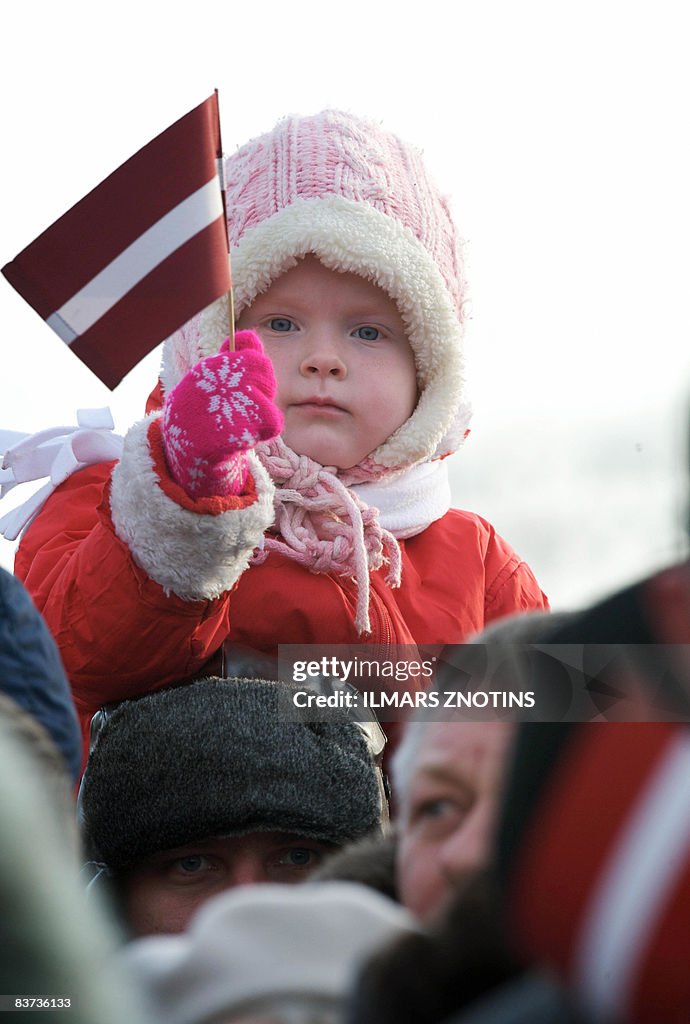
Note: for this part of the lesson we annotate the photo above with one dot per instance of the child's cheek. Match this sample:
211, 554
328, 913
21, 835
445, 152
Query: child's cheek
280, 393
281, 372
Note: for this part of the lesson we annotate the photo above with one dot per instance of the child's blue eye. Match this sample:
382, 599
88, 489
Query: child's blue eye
281, 324
367, 333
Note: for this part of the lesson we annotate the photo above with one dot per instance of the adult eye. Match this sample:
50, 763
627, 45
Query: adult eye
193, 864
300, 857
437, 815
435, 808
281, 324
367, 333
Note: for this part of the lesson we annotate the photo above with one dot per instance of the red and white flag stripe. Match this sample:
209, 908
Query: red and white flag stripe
601, 884
139, 255
154, 246
632, 893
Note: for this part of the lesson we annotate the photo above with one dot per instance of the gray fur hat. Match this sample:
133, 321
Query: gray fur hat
218, 757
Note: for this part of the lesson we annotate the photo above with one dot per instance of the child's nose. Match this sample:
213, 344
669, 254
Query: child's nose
324, 359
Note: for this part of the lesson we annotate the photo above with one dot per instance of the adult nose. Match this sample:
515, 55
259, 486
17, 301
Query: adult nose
246, 869
324, 359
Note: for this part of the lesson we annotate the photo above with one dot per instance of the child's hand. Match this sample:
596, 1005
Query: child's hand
221, 407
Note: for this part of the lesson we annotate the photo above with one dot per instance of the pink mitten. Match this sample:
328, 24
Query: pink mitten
221, 407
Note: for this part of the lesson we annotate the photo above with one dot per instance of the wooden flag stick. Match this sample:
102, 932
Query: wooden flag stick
231, 320
221, 180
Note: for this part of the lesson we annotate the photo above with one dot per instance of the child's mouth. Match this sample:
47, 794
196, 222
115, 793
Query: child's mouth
320, 406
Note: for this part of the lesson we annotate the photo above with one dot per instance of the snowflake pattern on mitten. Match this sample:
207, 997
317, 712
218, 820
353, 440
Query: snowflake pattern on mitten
221, 407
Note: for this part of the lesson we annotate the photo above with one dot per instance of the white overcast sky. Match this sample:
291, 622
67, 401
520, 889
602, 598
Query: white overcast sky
560, 131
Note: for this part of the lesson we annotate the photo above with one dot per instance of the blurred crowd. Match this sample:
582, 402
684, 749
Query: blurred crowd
217, 862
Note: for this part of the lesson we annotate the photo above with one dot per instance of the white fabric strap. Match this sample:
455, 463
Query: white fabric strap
55, 453
407, 504
410, 502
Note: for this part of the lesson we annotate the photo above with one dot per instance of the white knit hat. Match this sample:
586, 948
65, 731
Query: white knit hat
267, 943
361, 201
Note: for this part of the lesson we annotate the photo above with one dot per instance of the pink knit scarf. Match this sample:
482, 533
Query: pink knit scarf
325, 527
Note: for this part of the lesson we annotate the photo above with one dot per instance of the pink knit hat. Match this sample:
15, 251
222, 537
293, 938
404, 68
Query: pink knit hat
361, 201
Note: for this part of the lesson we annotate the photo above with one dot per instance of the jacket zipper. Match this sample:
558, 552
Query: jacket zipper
383, 630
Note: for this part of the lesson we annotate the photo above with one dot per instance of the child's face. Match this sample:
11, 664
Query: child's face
345, 369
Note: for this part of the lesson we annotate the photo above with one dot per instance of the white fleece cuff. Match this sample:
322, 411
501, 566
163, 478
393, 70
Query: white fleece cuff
196, 556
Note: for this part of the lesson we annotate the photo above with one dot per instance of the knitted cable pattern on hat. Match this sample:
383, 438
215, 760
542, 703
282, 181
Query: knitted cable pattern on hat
334, 153
324, 526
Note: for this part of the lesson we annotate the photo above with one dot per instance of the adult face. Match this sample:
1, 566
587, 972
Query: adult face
161, 894
448, 810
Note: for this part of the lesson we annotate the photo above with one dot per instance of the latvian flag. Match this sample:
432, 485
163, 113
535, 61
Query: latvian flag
139, 255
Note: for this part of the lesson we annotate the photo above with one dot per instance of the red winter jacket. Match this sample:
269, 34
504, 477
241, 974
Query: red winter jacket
126, 572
